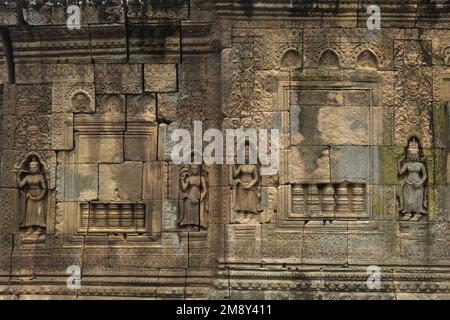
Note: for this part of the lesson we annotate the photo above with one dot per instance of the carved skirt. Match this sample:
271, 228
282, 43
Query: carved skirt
246, 200
189, 213
413, 199
35, 214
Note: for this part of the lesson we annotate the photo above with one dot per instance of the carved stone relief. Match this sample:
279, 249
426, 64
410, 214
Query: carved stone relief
329, 59
160, 77
141, 108
93, 110
32, 133
291, 59
193, 202
118, 78
367, 59
412, 172
112, 217
414, 87
33, 197
245, 182
76, 98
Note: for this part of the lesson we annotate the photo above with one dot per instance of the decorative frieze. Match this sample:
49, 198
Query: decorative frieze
113, 78
160, 77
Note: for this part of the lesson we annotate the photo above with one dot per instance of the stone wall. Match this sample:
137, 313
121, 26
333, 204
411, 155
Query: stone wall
361, 114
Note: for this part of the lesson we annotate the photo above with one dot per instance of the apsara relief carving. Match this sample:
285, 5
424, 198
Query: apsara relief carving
413, 193
33, 197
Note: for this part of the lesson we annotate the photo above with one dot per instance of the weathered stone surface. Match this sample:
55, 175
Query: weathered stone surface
140, 142
75, 98
87, 120
352, 164
118, 78
155, 42
312, 125
62, 131
155, 181
167, 106
165, 143
141, 108
57, 73
9, 203
80, 182
307, 164
160, 77
115, 183
99, 148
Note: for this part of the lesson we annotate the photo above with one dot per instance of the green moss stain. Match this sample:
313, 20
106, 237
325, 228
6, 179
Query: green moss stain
388, 157
86, 183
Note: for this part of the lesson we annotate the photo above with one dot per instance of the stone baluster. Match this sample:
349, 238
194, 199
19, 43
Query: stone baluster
298, 199
313, 200
126, 217
328, 201
100, 212
342, 199
84, 212
113, 215
140, 216
358, 198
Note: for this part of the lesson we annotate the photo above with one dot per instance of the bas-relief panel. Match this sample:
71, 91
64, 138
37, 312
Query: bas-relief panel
117, 191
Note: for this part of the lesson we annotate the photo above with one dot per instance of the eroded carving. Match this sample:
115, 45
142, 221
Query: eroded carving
192, 213
412, 174
367, 59
291, 59
329, 59
33, 197
247, 192
32, 133
81, 102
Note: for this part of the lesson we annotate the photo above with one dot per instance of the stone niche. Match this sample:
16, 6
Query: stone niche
326, 172
103, 176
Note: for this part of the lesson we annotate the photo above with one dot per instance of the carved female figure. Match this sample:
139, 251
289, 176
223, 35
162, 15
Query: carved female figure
412, 173
33, 184
193, 198
247, 197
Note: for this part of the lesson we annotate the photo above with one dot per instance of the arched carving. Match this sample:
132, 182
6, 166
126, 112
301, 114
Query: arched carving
365, 50
446, 56
291, 59
113, 104
81, 101
367, 59
329, 59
